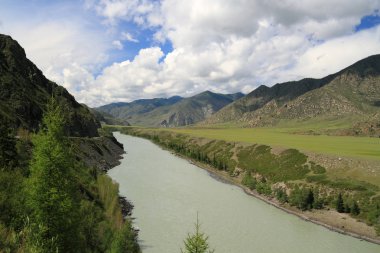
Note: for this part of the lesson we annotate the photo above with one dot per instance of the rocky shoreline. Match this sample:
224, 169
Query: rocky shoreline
103, 153
126, 207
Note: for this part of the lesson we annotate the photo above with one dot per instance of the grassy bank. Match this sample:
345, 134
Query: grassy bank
286, 176
347, 146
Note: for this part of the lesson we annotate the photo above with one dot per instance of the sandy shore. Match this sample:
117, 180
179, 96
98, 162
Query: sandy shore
330, 219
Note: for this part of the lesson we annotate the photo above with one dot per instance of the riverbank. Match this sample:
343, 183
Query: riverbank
105, 153
168, 191
262, 172
330, 219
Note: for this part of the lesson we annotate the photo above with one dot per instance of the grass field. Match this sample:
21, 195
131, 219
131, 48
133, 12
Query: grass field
347, 146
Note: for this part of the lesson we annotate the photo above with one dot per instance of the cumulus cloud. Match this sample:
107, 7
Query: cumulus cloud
229, 46
218, 45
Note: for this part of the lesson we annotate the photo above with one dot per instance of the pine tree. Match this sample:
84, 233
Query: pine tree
310, 199
52, 197
340, 204
197, 243
355, 210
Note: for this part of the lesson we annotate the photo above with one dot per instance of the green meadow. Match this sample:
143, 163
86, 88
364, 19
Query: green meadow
347, 146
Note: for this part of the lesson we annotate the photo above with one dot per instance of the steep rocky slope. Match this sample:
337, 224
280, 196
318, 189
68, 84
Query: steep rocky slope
25, 91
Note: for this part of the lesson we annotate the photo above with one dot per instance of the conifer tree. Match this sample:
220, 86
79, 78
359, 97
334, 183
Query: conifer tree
52, 197
355, 210
340, 204
198, 242
310, 199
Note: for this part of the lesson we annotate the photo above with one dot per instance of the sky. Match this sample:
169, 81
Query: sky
106, 51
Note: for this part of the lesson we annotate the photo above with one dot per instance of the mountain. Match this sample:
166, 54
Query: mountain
129, 111
191, 110
106, 118
172, 112
25, 91
353, 94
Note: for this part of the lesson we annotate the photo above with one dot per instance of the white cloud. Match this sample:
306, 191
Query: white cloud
128, 37
218, 45
228, 46
337, 54
117, 44
142, 12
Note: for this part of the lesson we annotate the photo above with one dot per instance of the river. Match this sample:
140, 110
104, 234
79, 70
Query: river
168, 192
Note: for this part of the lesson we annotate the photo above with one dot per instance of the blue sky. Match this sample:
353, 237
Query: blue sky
368, 21
105, 51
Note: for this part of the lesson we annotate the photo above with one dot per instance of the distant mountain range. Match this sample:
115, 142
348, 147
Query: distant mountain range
352, 95
170, 112
350, 99
25, 91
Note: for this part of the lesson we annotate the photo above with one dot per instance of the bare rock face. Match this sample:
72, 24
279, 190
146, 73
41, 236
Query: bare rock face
25, 91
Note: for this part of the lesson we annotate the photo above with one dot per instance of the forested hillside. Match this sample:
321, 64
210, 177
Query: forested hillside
54, 194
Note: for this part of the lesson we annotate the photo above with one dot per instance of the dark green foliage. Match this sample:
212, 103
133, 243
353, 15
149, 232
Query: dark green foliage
302, 198
281, 195
125, 240
355, 210
340, 204
11, 199
52, 196
316, 168
347, 208
8, 153
310, 199
197, 242
318, 203
264, 188
249, 181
